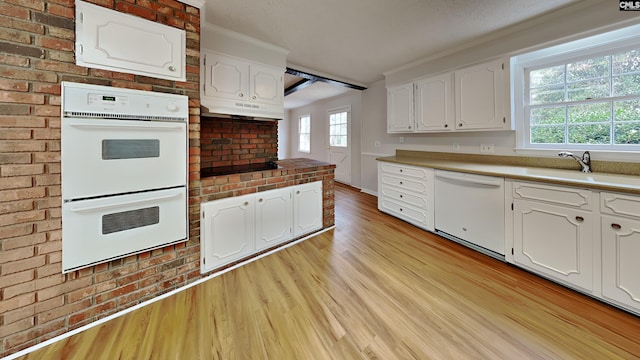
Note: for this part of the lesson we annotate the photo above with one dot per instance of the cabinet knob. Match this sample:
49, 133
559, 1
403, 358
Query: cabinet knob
172, 68
409, 126
241, 94
400, 182
253, 97
246, 203
260, 200
616, 226
579, 219
401, 196
446, 125
400, 209
460, 125
298, 192
400, 170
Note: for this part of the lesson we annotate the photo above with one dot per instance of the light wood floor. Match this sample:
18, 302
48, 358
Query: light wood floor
373, 288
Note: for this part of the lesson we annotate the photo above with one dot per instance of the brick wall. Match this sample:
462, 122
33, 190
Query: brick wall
37, 302
227, 142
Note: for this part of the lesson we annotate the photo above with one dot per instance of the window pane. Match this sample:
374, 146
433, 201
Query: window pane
551, 134
546, 116
590, 134
592, 89
626, 62
588, 69
590, 113
626, 85
547, 76
627, 133
628, 110
546, 95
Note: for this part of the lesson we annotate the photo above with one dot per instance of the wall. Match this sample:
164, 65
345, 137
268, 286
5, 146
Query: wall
319, 129
38, 302
225, 142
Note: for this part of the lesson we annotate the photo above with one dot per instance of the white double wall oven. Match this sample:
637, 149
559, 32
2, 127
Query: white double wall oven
124, 172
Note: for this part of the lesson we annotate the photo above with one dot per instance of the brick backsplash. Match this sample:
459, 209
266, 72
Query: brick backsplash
225, 142
37, 301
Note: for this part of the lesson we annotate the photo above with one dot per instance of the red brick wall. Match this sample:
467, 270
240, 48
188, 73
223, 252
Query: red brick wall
37, 301
227, 142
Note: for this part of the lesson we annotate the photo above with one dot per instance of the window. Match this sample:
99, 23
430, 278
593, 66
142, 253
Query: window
338, 129
582, 95
304, 134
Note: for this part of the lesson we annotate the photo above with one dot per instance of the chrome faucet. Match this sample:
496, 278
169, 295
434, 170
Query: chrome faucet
585, 162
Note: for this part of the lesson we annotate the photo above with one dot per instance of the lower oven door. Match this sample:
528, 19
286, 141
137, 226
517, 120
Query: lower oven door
98, 230
105, 156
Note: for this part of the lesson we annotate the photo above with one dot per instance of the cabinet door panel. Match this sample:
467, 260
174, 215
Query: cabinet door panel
226, 77
400, 109
554, 241
227, 231
620, 265
434, 104
307, 208
273, 217
267, 85
480, 97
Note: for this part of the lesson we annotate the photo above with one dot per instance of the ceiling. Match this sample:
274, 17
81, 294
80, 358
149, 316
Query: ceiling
356, 41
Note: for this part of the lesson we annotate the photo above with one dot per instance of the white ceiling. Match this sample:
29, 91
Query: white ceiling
358, 40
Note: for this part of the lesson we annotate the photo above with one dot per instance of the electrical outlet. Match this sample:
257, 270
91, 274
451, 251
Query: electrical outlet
456, 147
486, 148
376, 144
401, 139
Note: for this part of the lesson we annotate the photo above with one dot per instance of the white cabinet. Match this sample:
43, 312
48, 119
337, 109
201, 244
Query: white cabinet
621, 249
400, 116
307, 208
227, 231
111, 40
234, 228
553, 232
236, 86
480, 94
273, 217
482, 97
407, 192
434, 104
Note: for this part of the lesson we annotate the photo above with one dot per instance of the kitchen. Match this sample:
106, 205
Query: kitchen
31, 168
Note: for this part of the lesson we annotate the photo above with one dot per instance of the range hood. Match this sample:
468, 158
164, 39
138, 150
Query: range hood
237, 115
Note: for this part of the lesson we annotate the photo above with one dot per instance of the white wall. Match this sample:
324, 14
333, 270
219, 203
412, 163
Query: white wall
319, 129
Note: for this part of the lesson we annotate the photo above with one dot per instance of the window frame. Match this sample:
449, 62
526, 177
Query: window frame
347, 111
602, 44
300, 133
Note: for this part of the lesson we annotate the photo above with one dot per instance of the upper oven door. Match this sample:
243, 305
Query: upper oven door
106, 157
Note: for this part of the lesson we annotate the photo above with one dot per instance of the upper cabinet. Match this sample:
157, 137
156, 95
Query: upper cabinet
111, 40
469, 99
241, 76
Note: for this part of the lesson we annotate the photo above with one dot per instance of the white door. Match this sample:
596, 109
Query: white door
307, 208
339, 143
273, 217
226, 231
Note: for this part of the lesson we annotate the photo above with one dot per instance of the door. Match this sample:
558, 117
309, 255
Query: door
480, 93
307, 208
434, 104
339, 143
227, 231
555, 241
400, 109
620, 265
273, 217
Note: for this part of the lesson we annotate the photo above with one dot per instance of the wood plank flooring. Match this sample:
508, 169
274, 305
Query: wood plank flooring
372, 288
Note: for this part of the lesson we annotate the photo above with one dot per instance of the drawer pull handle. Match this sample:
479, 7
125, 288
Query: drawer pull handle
260, 200
400, 182
400, 170
400, 209
246, 203
579, 218
400, 196
616, 226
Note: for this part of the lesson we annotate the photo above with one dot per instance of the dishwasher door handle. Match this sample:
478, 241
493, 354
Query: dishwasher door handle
464, 179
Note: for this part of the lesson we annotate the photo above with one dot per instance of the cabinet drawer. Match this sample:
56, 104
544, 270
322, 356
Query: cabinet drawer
619, 204
405, 170
560, 195
418, 217
419, 186
401, 196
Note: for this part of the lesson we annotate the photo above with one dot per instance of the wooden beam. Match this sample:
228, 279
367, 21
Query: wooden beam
298, 86
315, 78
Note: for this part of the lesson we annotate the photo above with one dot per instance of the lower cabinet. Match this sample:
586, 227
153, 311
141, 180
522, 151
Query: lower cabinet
621, 249
553, 232
237, 227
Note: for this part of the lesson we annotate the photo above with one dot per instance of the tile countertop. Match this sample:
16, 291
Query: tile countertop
483, 165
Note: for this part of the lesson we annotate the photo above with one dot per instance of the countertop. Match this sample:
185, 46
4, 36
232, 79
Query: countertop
597, 181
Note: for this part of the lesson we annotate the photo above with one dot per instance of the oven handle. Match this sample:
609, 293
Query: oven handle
130, 126
79, 208
464, 179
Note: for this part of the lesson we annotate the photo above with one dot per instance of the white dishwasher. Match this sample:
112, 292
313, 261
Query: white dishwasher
469, 209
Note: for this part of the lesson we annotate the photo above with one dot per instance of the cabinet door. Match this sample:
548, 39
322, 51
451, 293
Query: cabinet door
620, 265
273, 217
226, 77
554, 241
307, 208
400, 109
226, 231
481, 97
111, 40
434, 104
266, 85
